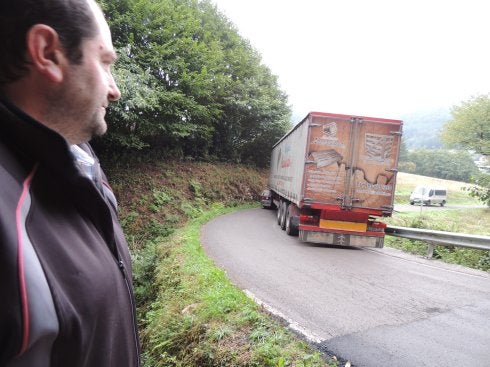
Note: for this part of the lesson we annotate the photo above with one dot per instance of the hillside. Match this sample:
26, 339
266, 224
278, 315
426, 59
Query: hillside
406, 183
421, 129
157, 197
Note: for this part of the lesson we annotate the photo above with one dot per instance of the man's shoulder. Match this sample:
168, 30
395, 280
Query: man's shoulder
13, 174
11, 165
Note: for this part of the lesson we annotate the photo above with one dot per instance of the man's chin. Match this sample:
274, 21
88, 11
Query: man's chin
97, 130
101, 131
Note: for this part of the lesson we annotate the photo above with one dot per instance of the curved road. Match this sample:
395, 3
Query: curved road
373, 307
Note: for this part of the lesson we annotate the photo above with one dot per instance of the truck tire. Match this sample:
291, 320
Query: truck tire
291, 229
443, 202
284, 214
279, 211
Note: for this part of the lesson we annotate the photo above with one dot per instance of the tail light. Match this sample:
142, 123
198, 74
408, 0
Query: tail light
265, 195
376, 227
309, 220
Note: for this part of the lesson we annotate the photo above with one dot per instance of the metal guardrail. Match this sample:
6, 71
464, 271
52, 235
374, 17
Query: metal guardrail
440, 238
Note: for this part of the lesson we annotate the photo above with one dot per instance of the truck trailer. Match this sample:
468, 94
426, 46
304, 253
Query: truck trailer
332, 175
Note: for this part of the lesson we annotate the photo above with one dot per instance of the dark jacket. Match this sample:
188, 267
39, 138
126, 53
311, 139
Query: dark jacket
65, 277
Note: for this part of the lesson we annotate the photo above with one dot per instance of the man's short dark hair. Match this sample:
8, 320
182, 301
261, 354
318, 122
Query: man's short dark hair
72, 19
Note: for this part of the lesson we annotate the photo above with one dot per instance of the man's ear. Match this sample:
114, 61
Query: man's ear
45, 52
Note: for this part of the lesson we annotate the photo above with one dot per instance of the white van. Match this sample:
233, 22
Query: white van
429, 195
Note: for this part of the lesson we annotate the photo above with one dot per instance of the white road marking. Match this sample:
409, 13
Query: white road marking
310, 336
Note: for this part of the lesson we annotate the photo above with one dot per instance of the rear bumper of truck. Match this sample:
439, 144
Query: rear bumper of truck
342, 238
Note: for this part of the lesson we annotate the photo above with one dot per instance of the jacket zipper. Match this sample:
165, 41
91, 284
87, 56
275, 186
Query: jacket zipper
121, 266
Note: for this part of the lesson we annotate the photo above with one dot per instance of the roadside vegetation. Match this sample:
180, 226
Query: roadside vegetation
472, 220
442, 163
457, 190
198, 318
189, 312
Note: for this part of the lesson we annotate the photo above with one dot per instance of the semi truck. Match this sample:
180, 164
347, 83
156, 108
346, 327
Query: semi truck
333, 176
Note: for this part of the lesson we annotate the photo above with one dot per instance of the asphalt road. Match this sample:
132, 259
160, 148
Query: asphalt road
376, 307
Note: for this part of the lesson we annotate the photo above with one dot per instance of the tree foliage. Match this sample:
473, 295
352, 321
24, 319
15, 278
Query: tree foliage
445, 164
469, 127
190, 84
481, 189
403, 156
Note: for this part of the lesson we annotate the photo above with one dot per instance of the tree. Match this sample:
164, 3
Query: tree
445, 164
403, 157
131, 117
193, 85
469, 127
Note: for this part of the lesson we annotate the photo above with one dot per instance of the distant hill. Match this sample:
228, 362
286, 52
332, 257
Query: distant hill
421, 129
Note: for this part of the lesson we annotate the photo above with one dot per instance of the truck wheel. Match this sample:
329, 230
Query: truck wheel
291, 229
443, 202
284, 213
427, 203
279, 209
412, 202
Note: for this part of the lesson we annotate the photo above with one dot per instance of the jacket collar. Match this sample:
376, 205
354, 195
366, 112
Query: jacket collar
35, 142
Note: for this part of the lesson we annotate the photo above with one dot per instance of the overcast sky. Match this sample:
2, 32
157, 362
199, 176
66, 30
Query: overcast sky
382, 58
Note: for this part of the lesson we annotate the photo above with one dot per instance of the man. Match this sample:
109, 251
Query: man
65, 277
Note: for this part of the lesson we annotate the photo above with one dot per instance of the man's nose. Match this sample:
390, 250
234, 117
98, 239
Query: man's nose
114, 92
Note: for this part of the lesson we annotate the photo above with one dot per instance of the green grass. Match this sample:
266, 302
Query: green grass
471, 221
457, 195
198, 318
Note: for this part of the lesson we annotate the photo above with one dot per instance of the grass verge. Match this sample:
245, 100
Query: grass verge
457, 191
471, 221
198, 318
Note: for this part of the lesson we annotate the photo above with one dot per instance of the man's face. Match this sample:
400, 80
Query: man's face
90, 86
